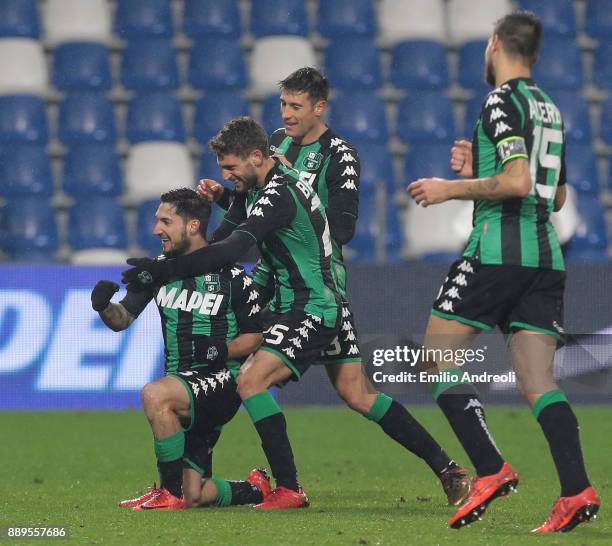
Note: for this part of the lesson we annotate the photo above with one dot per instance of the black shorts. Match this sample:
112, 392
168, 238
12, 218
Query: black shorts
345, 346
297, 338
509, 296
214, 398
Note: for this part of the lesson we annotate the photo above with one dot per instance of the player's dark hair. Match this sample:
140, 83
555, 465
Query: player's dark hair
307, 80
521, 34
189, 206
240, 137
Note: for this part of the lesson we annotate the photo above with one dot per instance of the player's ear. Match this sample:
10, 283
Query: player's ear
257, 158
320, 107
194, 227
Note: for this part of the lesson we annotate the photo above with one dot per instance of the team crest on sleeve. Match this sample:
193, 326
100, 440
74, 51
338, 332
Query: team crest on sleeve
312, 161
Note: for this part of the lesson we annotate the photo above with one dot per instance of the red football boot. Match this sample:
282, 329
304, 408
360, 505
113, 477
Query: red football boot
282, 498
162, 500
567, 512
260, 479
143, 498
484, 490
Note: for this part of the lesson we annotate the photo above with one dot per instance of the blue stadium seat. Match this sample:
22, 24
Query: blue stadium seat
558, 16
363, 243
140, 18
279, 17
81, 66
575, 112
353, 63
149, 64
471, 67
217, 64
425, 160
19, 18
374, 234
590, 239
472, 112
419, 64
208, 167
376, 166
92, 169
270, 113
346, 18
606, 121
581, 166
96, 222
155, 116
426, 116
602, 73
214, 110
145, 222
25, 169
23, 118
204, 18
598, 22
30, 226
86, 117
559, 65
360, 116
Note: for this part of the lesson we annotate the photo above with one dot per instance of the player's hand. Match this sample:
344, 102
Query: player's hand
209, 351
102, 294
146, 272
211, 190
461, 158
429, 191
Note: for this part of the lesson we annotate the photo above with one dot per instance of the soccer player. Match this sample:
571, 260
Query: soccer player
210, 324
286, 220
330, 165
511, 274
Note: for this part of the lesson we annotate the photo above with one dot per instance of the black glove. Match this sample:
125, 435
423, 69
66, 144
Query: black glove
146, 272
210, 351
102, 294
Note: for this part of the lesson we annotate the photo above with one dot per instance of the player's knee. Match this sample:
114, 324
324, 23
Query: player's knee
354, 397
249, 383
154, 397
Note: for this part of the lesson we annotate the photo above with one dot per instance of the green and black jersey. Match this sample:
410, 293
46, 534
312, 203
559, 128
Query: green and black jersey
220, 305
287, 220
518, 120
330, 165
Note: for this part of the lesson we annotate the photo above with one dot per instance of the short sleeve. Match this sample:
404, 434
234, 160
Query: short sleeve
503, 124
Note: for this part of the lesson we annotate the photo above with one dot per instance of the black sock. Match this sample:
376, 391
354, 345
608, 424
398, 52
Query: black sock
407, 431
275, 443
245, 493
171, 476
561, 429
467, 418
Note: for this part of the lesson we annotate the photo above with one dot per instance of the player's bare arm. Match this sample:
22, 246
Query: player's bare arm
513, 181
243, 345
114, 315
560, 198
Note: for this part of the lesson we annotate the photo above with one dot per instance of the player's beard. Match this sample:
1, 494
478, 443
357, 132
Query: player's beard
179, 248
489, 72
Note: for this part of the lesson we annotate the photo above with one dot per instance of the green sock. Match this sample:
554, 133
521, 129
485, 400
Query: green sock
380, 406
224, 492
261, 405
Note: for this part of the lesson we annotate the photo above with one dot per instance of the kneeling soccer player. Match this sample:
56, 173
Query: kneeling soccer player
210, 324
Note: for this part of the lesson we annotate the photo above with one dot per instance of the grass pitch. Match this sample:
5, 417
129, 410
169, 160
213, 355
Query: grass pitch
70, 469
